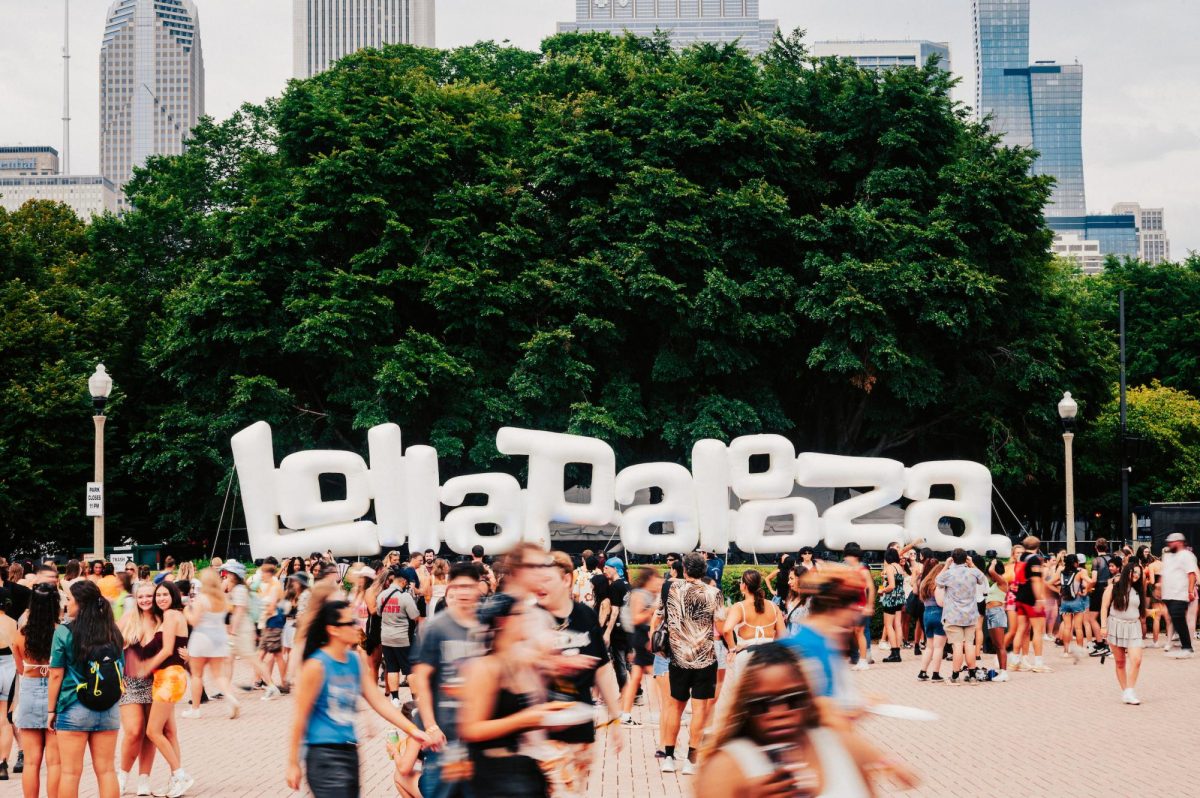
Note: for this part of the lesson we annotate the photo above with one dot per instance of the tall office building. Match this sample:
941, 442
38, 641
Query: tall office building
1001, 61
151, 84
872, 54
1154, 247
687, 21
1038, 105
325, 30
1057, 104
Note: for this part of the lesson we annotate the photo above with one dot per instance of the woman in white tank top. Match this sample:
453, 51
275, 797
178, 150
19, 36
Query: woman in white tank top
772, 742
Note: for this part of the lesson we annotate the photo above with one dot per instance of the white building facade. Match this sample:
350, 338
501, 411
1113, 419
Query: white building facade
325, 30
1085, 253
151, 84
87, 195
687, 21
882, 54
1154, 247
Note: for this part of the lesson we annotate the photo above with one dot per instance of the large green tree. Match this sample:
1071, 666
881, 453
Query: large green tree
606, 237
54, 328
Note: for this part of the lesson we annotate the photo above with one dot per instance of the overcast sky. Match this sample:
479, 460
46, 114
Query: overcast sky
1141, 131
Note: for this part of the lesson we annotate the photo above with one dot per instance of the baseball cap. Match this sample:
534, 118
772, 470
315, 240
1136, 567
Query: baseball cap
302, 577
1176, 536
235, 567
159, 579
366, 571
406, 573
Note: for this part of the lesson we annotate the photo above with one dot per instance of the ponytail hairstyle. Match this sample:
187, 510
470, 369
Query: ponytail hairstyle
328, 615
753, 582
94, 630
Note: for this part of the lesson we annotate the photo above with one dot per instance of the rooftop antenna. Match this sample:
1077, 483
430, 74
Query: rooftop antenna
66, 119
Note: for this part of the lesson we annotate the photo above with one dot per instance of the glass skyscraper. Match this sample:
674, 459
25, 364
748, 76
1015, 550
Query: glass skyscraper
1038, 105
687, 21
151, 84
1001, 64
1057, 103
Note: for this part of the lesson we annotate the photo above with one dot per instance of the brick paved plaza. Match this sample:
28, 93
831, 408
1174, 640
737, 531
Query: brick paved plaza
1031, 737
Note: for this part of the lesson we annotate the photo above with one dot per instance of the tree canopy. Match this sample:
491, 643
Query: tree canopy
607, 237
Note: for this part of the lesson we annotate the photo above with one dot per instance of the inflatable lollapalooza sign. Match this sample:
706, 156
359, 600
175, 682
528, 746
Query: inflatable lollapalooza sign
408, 498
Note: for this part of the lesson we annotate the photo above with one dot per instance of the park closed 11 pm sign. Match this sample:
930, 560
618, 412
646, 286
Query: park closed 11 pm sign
95, 499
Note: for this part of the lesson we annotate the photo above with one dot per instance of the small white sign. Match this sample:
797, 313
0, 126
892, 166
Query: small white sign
95, 499
119, 559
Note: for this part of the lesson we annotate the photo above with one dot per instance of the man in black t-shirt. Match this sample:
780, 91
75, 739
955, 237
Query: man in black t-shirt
1098, 582
15, 598
579, 638
614, 633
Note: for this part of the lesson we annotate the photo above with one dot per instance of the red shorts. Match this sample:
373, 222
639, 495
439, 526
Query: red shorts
1030, 610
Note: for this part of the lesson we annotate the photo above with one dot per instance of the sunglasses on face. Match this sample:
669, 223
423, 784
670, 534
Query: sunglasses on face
789, 701
344, 623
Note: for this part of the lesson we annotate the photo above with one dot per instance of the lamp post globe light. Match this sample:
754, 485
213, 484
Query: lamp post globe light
100, 386
1067, 410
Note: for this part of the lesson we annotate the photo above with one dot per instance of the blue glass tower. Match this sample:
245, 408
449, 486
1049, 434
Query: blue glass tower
1002, 63
1038, 106
1057, 103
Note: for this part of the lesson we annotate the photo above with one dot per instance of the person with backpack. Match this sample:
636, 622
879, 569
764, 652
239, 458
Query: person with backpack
1073, 603
86, 682
1100, 576
1031, 610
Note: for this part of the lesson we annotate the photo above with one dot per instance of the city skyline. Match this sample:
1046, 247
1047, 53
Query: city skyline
1141, 129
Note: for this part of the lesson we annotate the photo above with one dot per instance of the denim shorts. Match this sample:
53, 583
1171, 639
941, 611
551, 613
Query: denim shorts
933, 622
996, 618
1075, 605
78, 718
661, 665
31, 709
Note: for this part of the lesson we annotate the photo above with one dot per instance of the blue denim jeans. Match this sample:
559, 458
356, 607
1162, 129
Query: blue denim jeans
431, 783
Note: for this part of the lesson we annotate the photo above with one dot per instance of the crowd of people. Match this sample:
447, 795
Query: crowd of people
557, 653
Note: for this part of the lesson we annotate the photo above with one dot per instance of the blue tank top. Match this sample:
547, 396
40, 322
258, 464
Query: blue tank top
332, 718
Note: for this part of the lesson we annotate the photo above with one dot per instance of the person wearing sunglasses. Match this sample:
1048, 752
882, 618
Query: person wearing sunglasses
332, 679
771, 742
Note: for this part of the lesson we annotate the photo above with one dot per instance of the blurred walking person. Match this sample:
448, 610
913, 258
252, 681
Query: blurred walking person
208, 647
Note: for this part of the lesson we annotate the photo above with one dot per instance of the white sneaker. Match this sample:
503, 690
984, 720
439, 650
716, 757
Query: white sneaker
271, 692
1049, 638
689, 768
144, 788
1021, 666
188, 713
179, 784
122, 778
1181, 653
1130, 697
667, 764
1042, 669
860, 666
1002, 676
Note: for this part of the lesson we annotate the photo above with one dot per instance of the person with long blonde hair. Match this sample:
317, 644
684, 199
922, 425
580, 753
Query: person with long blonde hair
208, 647
138, 630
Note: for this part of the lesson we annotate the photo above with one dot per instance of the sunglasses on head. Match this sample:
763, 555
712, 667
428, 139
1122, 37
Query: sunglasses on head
790, 701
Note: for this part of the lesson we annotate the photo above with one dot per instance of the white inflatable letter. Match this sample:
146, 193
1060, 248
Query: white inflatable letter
834, 471
421, 495
503, 509
710, 478
972, 503
752, 520
549, 453
774, 483
678, 506
387, 484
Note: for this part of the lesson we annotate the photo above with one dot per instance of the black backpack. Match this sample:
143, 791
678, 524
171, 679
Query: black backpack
1067, 582
103, 682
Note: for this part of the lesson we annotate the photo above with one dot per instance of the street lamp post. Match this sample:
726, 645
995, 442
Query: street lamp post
100, 386
1067, 408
